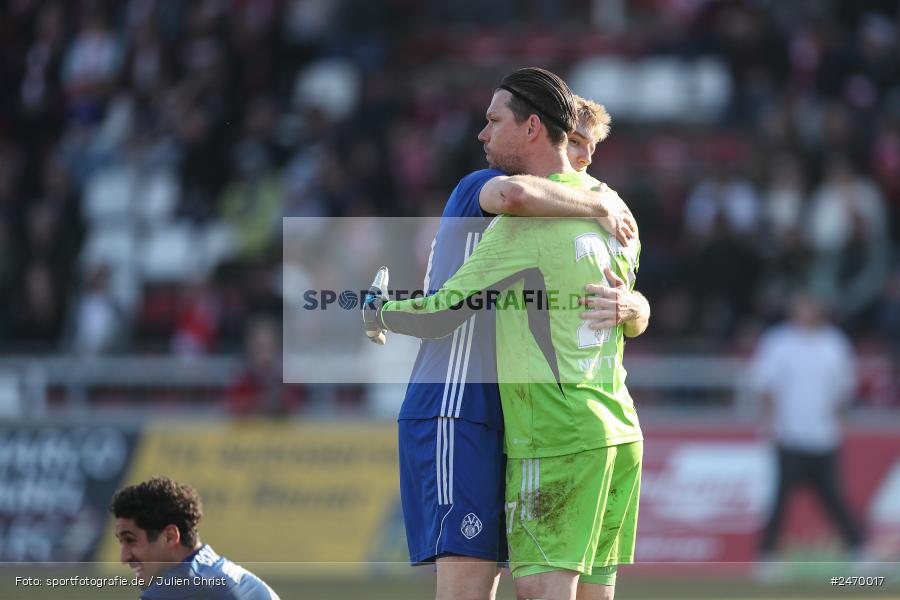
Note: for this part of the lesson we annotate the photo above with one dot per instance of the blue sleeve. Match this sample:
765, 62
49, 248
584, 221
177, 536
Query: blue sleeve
463, 201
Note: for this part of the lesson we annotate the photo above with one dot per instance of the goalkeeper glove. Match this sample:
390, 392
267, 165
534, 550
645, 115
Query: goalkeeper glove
371, 307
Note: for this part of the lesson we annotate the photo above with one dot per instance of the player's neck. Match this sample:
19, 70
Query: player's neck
184, 552
549, 161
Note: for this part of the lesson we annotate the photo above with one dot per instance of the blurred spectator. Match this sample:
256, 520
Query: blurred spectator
215, 116
721, 218
38, 309
259, 389
783, 201
308, 23
12, 254
53, 227
848, 233
8, 266
90, 65
196, 322
783, 246
805, 373
40, 88
252, 203
889, 315
722, 199
886, 166
203, 163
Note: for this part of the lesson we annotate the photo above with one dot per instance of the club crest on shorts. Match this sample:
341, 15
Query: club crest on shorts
471, 526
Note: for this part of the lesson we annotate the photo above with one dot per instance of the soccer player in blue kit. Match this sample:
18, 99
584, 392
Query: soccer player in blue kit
450, 426
156, 525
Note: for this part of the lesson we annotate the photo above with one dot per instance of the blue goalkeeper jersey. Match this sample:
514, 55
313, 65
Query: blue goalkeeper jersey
206, 575
456, 376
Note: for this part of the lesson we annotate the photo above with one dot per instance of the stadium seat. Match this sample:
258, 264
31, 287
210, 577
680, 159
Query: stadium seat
11, 401
711, 89
661, 90
156, 197
217, 243
608, 78
331, 85
109, 243
169, 252
125, 287
108, 194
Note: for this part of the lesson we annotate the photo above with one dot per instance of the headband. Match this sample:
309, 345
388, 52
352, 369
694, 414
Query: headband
537, 108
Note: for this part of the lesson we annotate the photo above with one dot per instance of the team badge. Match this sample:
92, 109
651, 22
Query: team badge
471, 526
589, 244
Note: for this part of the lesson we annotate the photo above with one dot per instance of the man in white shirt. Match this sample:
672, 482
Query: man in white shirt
805, 372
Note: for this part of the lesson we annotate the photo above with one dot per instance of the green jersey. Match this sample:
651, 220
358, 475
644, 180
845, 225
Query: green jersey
562, 384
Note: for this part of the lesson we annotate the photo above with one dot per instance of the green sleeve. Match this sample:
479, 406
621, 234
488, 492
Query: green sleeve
502, 256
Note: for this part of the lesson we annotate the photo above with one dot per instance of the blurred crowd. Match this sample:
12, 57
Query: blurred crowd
150, 148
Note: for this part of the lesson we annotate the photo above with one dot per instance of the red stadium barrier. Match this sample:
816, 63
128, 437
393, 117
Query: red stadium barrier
707, 492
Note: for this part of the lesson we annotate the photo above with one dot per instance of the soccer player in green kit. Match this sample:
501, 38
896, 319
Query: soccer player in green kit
571, 431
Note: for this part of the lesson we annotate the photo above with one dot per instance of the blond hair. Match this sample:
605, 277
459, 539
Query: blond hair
594, 117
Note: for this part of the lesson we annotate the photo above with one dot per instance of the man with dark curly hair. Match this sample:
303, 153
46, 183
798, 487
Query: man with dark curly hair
156, 525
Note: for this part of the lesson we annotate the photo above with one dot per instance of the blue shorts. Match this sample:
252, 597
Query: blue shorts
452, 475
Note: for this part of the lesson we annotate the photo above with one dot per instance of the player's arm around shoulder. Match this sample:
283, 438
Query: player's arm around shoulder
500, 195
619, 213
531, 196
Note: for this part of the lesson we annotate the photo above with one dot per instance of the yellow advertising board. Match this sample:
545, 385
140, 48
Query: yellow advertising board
325, 495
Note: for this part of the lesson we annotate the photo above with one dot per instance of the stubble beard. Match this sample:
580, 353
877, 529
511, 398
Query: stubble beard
510, 164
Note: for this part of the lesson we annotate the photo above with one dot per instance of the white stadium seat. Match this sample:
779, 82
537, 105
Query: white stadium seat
169, 252
109, 243
711, 88
662, 90
218, 242
156, 196
108, 194
607, 80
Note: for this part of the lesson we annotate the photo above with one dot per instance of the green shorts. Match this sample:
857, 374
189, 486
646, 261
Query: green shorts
576, 512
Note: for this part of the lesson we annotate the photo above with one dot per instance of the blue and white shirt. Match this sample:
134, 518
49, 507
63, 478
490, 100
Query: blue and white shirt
456, 376
208, 576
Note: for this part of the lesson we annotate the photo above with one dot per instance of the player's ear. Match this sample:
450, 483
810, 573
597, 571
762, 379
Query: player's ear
534, 124
172, 535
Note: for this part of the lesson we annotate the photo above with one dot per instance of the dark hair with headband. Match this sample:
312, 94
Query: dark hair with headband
537, 91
